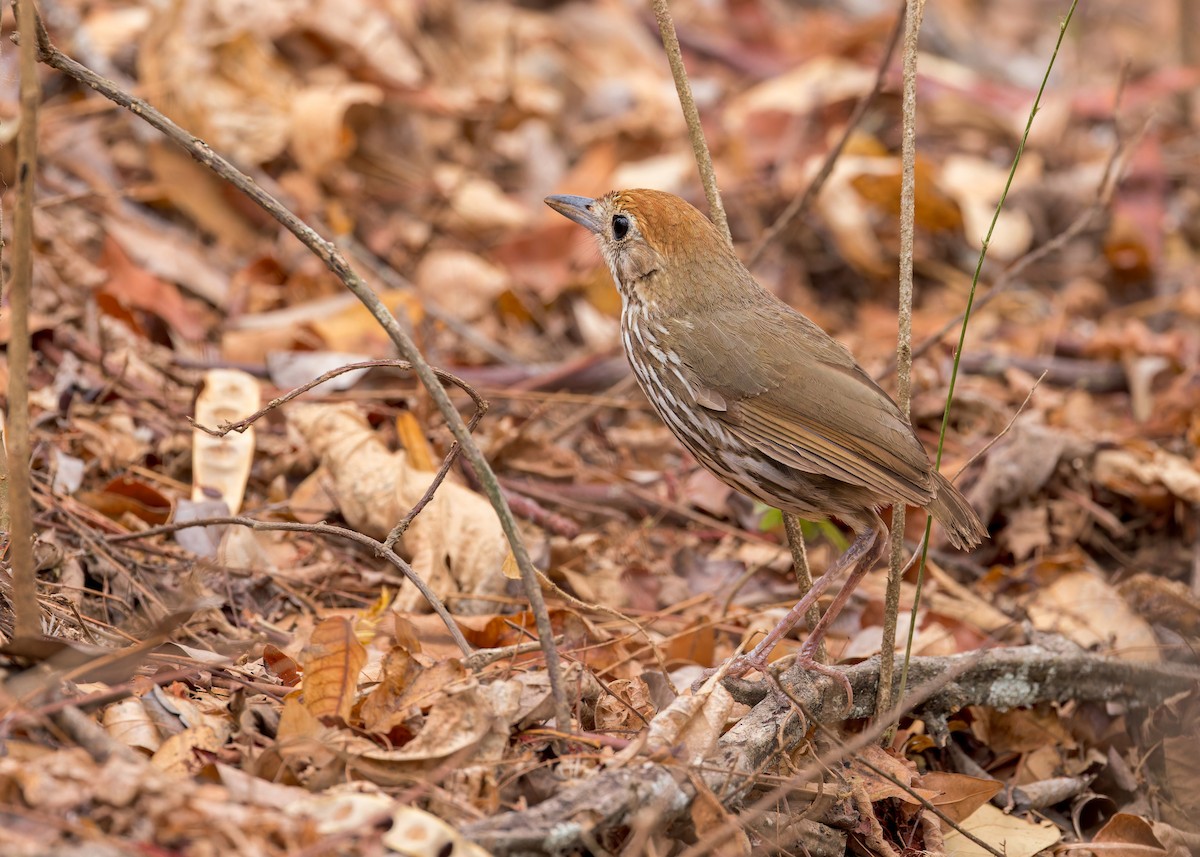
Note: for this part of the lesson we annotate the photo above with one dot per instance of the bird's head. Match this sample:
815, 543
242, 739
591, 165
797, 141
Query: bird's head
654, 242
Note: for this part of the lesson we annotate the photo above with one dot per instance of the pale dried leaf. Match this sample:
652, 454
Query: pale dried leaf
221, 465
1086, 609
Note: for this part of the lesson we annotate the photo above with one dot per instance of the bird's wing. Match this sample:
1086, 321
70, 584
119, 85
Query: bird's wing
780, 384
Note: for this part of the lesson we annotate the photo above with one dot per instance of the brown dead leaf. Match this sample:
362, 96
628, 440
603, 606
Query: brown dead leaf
1131, 831
694, 721
383, 707
461, 282
1021, 730
352, 329
373, 33
709, 816
128, 496
412, 438
226, 84
454, 726
332, 661
878, 787
1028, 529
976, 185
959, 795
1169, 603
1183, 771
320, 134
130, 287
281, 665
618, 711
935, 210
1121, 470
128, 722
170, 255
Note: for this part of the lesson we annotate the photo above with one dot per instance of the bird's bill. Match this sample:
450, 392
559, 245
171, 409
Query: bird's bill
577, 208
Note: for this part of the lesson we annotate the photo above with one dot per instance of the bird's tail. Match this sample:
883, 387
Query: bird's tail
954, 512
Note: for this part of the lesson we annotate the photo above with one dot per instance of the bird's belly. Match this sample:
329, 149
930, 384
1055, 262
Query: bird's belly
739, 465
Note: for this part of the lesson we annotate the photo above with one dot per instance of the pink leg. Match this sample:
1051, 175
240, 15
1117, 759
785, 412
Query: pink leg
806, 657
859, 558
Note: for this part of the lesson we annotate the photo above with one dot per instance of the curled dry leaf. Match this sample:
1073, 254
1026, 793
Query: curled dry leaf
456, 543
877, 787
221, 465
1124, 470
976, 185
320, 135
455, 726
695, 721
617, 712
1165, 602
371, 31
128, 722
1127, 835
225, 84
477, 203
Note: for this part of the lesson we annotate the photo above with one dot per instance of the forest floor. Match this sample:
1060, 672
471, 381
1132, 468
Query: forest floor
284, 690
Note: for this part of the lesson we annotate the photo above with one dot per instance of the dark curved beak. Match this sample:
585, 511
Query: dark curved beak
577, 208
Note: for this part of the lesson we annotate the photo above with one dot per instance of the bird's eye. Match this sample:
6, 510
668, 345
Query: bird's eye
620, 226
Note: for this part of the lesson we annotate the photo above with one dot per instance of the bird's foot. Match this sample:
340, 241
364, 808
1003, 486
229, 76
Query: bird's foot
735, 668
806, 662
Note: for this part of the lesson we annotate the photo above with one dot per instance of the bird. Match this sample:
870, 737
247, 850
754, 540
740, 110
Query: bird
760, 395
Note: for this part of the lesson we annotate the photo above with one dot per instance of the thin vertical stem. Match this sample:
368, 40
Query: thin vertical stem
913, 13
708, 177
27, 620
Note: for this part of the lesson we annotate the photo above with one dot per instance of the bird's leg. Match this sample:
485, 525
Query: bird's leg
860, 554
806, 659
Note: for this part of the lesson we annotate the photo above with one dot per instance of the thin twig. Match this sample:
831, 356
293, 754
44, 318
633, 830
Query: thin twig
708, 176
328, 253
322, 530
913, 12
27, 620
795, 540
1007, 428
799, 205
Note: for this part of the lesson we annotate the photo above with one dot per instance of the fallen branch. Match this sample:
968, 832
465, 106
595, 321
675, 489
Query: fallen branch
999, 678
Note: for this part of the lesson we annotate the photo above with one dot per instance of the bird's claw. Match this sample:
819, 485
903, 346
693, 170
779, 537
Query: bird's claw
736, 667
806, 662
